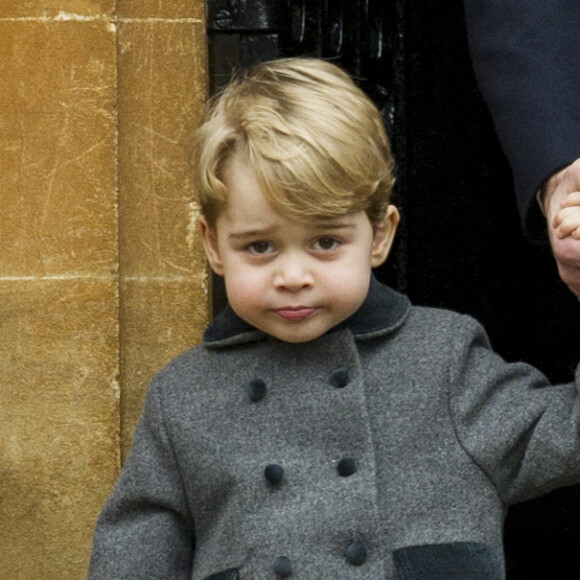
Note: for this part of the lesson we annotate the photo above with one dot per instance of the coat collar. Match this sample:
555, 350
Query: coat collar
382, 311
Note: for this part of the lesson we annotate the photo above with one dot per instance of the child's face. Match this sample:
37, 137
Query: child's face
293, 279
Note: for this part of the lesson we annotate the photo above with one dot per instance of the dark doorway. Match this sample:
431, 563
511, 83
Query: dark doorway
460, 245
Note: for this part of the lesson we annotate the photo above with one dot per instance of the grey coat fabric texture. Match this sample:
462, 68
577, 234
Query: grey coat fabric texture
388, 448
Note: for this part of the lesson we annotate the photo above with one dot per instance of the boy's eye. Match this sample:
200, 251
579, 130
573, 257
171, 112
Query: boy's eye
325, 243
260, 247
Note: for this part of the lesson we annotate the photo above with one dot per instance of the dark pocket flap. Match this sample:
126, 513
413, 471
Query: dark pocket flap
454, 561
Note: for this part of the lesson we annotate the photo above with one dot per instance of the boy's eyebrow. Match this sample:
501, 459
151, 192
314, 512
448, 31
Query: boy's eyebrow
268, 231
335, 226
258, 232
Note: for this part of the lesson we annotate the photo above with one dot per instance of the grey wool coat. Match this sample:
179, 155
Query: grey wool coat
387, 448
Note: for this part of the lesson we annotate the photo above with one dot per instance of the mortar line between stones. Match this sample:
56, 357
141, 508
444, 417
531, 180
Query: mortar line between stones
66, 17
91, 277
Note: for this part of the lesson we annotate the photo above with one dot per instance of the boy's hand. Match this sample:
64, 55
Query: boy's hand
562, 206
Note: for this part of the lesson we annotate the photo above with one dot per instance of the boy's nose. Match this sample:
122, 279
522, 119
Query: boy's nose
293, 275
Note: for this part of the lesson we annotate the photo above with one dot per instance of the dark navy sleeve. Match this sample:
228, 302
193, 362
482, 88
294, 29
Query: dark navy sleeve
526, 55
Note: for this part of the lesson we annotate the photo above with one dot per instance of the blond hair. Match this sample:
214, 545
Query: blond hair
314, 141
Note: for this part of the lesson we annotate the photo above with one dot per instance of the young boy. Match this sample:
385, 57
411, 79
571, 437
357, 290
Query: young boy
325, 428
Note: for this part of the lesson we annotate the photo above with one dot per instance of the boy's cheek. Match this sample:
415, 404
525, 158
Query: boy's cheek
243, 290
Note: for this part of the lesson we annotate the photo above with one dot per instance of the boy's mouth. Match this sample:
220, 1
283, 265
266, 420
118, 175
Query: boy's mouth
295, 313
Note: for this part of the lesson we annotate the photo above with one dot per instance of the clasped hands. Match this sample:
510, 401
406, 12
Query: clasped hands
561, 201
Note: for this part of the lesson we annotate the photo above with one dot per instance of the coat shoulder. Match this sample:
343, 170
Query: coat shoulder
438, 323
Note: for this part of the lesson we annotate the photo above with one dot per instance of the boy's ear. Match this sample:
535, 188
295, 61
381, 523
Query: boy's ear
210, 246
384, 236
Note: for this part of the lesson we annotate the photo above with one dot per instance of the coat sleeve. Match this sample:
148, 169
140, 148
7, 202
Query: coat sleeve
526, 56
145, 529
522, 432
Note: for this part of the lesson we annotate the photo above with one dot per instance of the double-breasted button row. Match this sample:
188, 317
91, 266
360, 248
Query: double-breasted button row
274, 473
355, 554
256, 388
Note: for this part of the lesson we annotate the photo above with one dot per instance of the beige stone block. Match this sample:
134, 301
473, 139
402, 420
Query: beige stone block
51, 8
64, 193
161, 8
58, 155
162, 88
160, 319
59, 428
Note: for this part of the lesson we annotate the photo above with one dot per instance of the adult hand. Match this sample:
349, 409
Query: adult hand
561, 202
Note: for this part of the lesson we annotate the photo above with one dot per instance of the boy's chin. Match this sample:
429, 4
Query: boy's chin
299, 329
297, 340
297, 333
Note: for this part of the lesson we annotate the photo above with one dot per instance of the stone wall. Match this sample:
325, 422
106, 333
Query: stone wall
102, 279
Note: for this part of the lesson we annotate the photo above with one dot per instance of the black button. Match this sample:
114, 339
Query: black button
346, 466
274, 473
340, 378
256, 390
282, 567
356, 554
